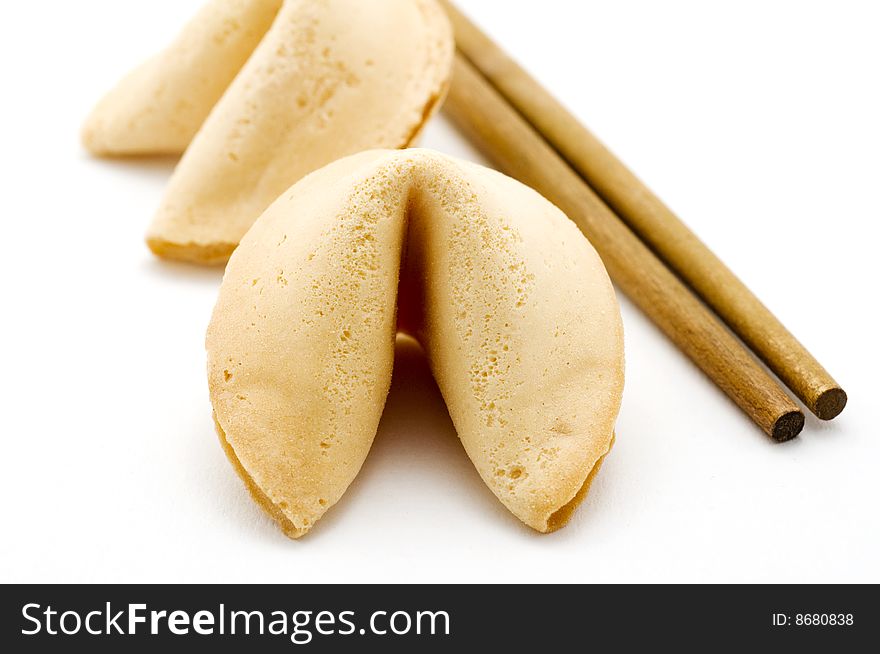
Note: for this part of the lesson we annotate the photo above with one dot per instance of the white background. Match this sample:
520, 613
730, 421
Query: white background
759, 122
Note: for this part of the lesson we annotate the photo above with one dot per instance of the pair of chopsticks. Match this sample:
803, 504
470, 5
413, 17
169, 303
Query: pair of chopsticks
649, 253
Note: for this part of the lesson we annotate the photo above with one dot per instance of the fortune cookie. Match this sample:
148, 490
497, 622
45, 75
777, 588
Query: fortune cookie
159, 107
329, 78
509, 301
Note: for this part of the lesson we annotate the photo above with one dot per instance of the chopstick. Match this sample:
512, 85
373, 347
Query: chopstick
654, 223
513, 144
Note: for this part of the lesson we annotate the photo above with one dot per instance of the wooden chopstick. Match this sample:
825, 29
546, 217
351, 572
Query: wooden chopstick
513, 144
654, 223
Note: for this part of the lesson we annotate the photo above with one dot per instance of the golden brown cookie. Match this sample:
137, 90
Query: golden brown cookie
511, 303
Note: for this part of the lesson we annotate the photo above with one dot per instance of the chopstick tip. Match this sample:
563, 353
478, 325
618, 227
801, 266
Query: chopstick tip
787, 426
830, 403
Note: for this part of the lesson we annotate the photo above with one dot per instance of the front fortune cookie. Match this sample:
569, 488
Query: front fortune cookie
510, 302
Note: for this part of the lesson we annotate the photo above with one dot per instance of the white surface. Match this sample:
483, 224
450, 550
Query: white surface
756, 121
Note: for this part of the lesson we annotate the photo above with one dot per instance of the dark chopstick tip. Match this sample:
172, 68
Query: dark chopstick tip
830, 403
787, 426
